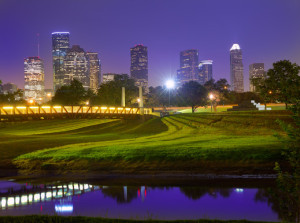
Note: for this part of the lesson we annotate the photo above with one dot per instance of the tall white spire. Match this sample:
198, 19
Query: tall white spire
235, 47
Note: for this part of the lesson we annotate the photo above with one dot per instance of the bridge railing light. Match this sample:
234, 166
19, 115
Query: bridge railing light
8, 107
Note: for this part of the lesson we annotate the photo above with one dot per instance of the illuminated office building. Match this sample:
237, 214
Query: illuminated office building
236, 69
205, 71
94, 70
34, 79
139, 65
60, 45
188, 66
107, 77
256, 70
76, 66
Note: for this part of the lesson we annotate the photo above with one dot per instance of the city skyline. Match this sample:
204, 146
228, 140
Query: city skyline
117, 34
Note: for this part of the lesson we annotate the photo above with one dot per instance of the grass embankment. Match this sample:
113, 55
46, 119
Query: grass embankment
60, 219
235, 143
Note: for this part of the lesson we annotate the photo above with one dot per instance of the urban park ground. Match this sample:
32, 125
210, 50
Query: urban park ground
200, 143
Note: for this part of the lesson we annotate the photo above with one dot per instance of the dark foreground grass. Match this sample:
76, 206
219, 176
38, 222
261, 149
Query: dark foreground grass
60, 219
187, 142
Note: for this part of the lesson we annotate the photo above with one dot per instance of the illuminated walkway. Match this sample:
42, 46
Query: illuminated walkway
8, 113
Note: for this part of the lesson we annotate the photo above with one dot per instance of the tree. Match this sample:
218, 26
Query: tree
284, 81
263, 88
158, 96
219, 89
15, 98
192, 94
110, 93
73, 94
289, 181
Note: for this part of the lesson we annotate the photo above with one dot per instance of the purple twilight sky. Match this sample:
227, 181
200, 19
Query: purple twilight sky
267, 31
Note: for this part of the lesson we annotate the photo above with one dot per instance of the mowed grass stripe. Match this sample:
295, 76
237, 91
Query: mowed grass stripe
180, 141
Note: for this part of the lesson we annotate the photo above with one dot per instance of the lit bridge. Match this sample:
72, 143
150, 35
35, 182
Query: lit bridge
11, 113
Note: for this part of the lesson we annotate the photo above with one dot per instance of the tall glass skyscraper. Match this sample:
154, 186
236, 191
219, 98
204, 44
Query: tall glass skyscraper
60, 45
94, 70
205, 71
256, 70
34, 79
236, 69
188, 66
139, 65
76, 66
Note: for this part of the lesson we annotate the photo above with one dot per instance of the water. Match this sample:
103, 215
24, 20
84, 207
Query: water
138, 202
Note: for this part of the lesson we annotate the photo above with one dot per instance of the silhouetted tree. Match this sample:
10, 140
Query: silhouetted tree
289, 181
110, 92
15, 98
158, 96
219, 89
192, 94
73, 94
284, 81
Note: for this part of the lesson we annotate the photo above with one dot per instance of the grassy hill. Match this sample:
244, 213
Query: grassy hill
238, 142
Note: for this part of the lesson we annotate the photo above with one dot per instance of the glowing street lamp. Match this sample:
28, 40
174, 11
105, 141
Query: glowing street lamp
31, 101
170, 84
211, 97
87, 102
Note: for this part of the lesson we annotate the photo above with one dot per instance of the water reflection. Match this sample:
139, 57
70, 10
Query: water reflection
196, 193
188, 202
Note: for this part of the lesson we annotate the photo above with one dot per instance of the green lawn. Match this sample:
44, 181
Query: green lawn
180, 142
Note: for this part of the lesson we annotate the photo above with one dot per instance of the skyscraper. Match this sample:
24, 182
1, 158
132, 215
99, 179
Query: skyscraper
236, 69
76, 66
107, 77
256, 70
139, 65
188, 66
60, 45
94, 70
205, 71
34, 78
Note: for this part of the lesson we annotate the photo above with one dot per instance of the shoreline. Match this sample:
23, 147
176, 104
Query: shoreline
75, 219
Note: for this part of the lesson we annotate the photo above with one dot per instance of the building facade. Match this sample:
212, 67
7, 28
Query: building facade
205, 71
189, 60
34, 79
94, 70
107, 77
256, 70
76, 66
236, 69
139, 65
60, 46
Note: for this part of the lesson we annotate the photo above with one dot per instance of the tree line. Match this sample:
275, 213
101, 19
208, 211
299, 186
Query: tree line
281, 84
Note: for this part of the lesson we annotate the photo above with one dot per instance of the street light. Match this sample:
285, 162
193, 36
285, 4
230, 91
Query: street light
170, 84
211, 97
31, 101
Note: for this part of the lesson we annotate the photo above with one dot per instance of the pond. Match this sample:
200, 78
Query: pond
139, 201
